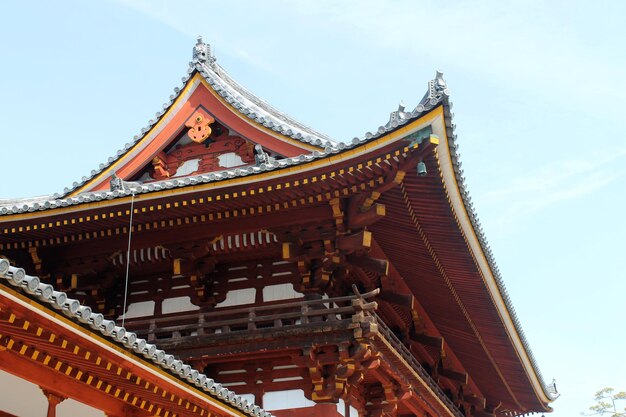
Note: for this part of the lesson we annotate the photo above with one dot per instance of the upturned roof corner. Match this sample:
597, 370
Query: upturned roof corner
214, 102
202, 53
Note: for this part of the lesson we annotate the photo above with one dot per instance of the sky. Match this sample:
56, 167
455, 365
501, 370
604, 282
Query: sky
538, 89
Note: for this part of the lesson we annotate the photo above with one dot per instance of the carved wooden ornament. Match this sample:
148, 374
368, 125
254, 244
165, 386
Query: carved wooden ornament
199, 127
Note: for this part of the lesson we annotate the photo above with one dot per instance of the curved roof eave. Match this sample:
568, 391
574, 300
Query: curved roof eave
479, 244
242, 100
436, 95
45, 294
397, 119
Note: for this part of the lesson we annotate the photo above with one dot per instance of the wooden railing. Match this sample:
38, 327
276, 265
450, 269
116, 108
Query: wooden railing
298, 313
406, 354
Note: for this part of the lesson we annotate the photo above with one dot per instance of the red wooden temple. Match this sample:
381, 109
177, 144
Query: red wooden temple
311, 277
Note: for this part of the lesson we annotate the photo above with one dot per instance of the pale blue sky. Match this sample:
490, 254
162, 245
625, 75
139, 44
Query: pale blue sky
538, 91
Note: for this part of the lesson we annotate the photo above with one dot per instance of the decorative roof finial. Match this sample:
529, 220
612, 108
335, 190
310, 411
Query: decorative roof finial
437, 90
397, 117
260, 156
118, 184
440, 83
202, 52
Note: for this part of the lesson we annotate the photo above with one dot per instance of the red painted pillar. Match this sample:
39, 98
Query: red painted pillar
53, 401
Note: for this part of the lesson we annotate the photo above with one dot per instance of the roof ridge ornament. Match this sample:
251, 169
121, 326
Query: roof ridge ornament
437, 90
398, 117
202, 53
118, 184
261, 157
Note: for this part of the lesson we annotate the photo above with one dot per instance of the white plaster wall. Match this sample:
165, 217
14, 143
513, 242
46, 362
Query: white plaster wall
280, 400
187, 167
177, 305
141, 309
280, 292
238, 297
71, 408
24, 399
341, 407
229, 160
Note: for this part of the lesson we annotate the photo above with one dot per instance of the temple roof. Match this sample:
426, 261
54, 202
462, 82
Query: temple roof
437, 91
46, 295
244, 102
435, 99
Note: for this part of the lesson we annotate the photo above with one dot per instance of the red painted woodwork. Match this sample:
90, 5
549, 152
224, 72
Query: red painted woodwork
201, 98
433, 296
48, 378
318, 410
199, 126
166, 165
28, 336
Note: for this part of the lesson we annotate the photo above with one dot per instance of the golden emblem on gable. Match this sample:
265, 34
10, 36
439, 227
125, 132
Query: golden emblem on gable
199, 127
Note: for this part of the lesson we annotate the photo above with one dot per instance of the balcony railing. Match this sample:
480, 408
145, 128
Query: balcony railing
406, 354
341, 312
297, 313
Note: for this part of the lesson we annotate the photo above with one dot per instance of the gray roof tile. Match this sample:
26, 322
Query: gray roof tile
436, 94
72, 308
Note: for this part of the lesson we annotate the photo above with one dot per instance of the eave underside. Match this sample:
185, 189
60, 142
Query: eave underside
59, 356
433, 259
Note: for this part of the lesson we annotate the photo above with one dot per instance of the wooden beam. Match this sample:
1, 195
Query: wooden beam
48, 378
478, 402
379, 266
461, 377
188, 232
424, 339
291, 251
403, 300
366, 218
479, 413
355, 242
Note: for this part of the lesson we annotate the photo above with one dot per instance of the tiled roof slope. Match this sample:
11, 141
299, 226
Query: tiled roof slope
437, 94
437, 90
246, 103
72, 308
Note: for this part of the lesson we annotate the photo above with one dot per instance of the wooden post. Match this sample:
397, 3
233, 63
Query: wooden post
53, 401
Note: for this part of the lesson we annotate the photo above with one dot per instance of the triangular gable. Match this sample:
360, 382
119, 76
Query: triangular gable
212, 124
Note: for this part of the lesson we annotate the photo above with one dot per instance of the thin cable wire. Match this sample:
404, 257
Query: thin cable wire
130, 237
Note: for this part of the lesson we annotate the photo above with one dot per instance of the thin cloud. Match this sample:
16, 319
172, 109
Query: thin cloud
176, 16
554, 184
255, 61
514, 44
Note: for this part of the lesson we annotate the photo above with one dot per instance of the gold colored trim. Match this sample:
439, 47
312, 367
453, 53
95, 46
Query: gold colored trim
192, 84
483, 268
211, 216
93, 337
452, 289
255, 178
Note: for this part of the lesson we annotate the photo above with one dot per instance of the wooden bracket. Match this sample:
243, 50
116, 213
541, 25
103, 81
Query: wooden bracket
461, 377
426, 340
378, 266
362, 218
36, 259
355, 242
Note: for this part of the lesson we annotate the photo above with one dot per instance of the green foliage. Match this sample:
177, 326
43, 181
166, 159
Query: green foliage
607, 403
